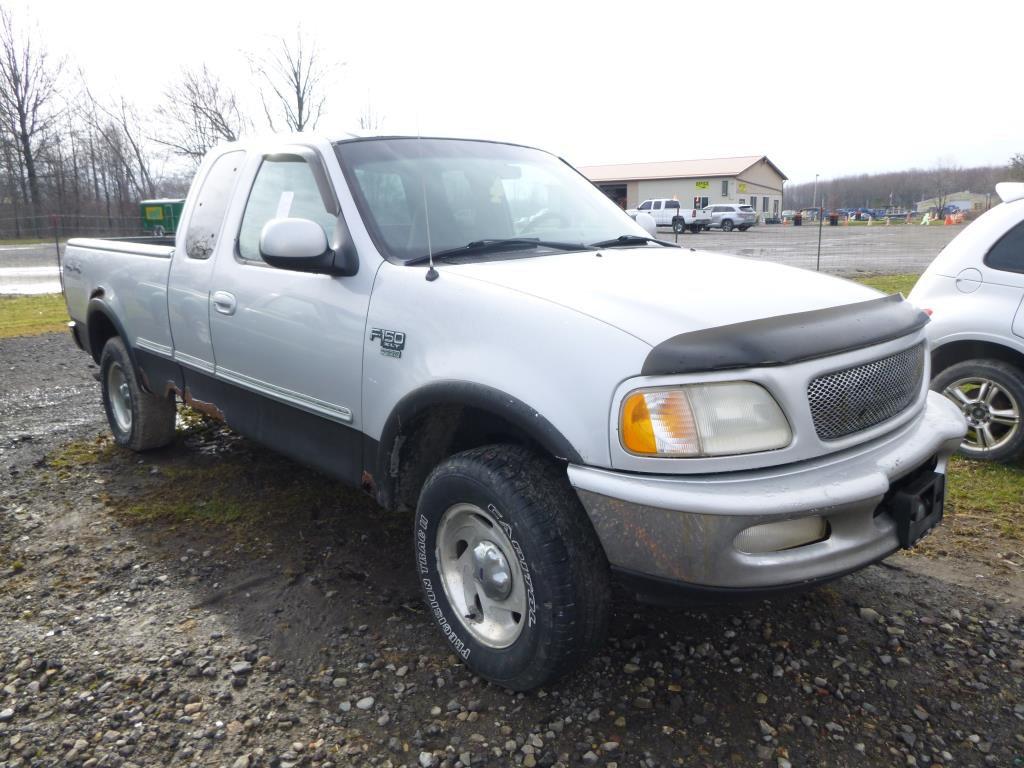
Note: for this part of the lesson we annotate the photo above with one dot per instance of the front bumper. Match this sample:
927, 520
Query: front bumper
682, 528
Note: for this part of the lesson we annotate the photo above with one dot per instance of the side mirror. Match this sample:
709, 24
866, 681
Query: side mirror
296, 244
647, 221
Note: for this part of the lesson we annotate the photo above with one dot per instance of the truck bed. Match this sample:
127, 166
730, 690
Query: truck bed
130, 273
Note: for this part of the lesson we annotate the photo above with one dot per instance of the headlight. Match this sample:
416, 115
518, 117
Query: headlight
717, 419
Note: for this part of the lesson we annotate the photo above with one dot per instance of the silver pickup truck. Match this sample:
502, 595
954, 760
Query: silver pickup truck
473, 332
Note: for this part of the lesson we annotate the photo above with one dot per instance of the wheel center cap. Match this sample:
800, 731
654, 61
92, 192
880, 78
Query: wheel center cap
491, 571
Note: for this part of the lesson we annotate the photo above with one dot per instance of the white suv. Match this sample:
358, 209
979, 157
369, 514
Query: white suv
974, 291
729, 216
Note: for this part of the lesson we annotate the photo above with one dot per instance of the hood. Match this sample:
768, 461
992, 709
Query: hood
656, 293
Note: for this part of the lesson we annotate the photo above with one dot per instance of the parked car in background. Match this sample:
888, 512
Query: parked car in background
974, 292
670, 213
729, 216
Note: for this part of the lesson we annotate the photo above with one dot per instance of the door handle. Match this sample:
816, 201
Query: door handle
224, 302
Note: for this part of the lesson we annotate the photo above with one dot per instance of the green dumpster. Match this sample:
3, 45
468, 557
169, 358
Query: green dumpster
160, 217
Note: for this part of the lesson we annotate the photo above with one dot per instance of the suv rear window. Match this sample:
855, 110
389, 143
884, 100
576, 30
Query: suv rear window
1008, 253
746, 209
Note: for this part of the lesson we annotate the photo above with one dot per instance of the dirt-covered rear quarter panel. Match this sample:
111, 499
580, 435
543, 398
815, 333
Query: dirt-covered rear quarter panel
563, 364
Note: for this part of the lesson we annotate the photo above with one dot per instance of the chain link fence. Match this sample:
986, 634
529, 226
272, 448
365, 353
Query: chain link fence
846, 248
64, 225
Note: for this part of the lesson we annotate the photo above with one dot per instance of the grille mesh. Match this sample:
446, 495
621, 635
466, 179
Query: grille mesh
857, 398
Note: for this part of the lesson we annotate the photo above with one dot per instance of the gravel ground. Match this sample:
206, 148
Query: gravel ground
300, 640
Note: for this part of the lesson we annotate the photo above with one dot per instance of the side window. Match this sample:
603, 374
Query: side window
725, 187
672, 204
657, 205
1008, 253
212, 202
645, 206
284, 187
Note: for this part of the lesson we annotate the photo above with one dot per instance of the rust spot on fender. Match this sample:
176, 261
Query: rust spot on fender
209, 409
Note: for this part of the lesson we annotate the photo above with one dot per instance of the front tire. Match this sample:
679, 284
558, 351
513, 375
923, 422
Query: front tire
696, 228
727, 225
510, 566
990, 393
138, 419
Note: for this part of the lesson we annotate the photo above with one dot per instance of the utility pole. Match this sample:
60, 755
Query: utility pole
814, 203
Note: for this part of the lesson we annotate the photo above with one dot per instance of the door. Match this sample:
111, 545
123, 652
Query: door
290, 336
671, 211
658, 213
1003, 283
188, 288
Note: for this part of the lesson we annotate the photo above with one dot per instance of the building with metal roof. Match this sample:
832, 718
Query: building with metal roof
748, 180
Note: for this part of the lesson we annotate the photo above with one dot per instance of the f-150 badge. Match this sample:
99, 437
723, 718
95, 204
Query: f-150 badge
391, 342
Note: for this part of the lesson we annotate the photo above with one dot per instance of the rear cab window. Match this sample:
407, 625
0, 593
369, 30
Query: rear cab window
212, 202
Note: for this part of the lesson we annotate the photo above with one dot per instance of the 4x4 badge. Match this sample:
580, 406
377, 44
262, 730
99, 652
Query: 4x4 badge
391, 342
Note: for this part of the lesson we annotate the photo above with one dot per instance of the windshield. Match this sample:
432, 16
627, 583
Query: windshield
460, 192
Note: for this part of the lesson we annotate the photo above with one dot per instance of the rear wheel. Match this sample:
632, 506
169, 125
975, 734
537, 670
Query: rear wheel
727, 225
678, 226
510, 567
743, 228
990, 393
138, 419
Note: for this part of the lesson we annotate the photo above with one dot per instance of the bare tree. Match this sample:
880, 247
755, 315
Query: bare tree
945, 181
369, 119
120, 131
28, 85
199, 111
1016, 167
293, 76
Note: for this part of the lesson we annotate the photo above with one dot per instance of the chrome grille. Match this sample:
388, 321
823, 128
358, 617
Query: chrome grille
860, 397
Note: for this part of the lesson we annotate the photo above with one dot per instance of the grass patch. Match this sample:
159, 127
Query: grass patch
889, 283
28, 240
32, 315
82, 453
986, 497
231, 492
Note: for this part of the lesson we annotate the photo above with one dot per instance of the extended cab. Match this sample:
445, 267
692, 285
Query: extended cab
473, 331
670, 213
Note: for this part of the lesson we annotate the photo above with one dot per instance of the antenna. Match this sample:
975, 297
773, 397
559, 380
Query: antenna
432, 273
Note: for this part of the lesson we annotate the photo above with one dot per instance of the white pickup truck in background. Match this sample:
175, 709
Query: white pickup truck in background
474, 334
669, 212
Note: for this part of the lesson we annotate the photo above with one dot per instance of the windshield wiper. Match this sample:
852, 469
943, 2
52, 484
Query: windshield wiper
626, 240
492, 245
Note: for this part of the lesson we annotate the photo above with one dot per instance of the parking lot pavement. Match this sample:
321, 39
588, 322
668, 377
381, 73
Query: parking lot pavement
296, 636
844, 249
30, 268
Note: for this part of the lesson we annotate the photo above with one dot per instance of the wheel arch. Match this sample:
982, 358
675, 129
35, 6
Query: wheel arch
447, 417
957, 351
102, 324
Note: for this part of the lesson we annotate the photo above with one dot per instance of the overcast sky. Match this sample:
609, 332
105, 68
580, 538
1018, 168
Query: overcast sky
862, 88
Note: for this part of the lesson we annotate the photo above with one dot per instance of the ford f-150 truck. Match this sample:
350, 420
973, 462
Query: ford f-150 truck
473, 332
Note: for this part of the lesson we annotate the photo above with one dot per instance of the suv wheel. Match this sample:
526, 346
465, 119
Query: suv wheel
991, 395
727, 225
510, 566
138, 419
